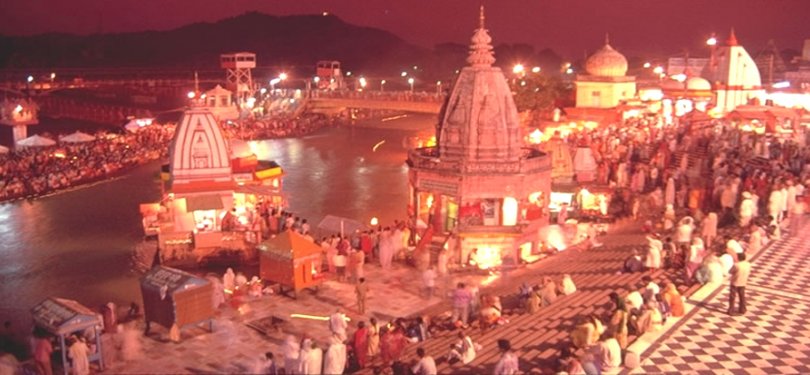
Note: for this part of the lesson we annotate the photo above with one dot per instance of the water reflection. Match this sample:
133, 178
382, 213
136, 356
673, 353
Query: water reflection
77, 244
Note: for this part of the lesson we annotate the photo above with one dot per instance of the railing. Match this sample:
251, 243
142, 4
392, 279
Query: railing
532, 160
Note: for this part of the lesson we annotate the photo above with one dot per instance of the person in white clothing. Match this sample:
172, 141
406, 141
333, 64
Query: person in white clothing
567, 285
463, 350
747, 209
426, 364
610, 356
311, 358
335, 361
78, 352
338, 325
508, 363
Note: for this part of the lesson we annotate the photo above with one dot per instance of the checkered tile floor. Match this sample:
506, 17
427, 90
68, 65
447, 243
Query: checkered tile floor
772, 338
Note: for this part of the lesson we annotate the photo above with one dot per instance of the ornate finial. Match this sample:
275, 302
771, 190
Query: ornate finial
732, 39
196, 83
480, 48
607, 39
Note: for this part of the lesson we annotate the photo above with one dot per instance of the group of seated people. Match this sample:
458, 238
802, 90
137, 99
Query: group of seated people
644, 309
534, 297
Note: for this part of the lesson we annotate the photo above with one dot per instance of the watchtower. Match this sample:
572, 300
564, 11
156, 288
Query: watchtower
238, 72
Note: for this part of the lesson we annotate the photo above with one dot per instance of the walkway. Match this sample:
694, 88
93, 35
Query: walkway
772, 338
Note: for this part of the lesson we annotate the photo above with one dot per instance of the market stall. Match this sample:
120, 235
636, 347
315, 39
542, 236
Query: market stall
172, 298
62, 318
290, 260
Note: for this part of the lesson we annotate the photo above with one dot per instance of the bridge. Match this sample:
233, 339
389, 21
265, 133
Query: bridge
321, 105
407, 101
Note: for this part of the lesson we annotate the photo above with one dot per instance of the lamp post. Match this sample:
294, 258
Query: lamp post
363, 83
410, 82
438, 88
382, 86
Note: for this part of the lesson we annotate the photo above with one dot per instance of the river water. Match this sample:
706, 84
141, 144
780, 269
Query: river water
77, 244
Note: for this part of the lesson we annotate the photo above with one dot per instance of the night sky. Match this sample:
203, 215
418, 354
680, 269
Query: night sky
568, 26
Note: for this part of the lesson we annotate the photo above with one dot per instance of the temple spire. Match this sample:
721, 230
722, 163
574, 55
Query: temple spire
732, 38
481, 55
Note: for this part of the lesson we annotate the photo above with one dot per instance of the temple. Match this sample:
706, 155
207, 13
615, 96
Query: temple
480, 183
214, 189
606, 83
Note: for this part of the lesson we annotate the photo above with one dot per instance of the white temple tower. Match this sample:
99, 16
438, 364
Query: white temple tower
735, 75
481, 184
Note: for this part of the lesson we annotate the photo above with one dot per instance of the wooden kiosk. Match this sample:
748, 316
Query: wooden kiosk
173, 297
64, 317
290, 260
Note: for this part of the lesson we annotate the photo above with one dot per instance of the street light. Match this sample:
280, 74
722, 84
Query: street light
518, 69
536, 69
438, 88
191, 94
712, 41
647, 65
382, 85
363, 82
53, 76
282, 76
30, 79
273, 83
404, 74
410, 82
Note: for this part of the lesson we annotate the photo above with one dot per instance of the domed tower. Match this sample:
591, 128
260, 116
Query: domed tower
480, 184
606, 83
480, 122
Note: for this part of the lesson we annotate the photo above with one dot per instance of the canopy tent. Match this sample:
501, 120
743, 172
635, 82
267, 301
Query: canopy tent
77, 137
3, 149
64, 317
337, 224
36, 141
291, 260
136, 124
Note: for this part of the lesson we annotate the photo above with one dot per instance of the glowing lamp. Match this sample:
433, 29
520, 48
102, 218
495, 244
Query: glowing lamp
518, 68
18, 108
191, 95
647, 65
30, 79
374, 221
282, 76
711, 41
658, 70
536, 69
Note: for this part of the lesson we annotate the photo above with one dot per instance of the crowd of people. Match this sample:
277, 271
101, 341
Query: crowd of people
35, 171
281, 125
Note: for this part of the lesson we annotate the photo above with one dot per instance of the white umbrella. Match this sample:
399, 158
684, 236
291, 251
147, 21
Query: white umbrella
35, 141
3, 149
77, 137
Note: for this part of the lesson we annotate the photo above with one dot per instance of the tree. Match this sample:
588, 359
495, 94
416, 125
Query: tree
537, 92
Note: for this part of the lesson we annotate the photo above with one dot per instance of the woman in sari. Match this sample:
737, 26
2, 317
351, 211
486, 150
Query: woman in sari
361, 347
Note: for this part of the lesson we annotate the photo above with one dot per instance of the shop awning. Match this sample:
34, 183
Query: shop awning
204, 202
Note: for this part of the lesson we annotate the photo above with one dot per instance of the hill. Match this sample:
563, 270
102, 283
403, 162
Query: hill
284, 41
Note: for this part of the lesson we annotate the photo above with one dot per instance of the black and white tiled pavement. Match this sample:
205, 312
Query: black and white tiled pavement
773, 337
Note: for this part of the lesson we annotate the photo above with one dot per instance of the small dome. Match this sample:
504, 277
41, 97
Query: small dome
698, 84
607, 62
671, 85
240, 149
